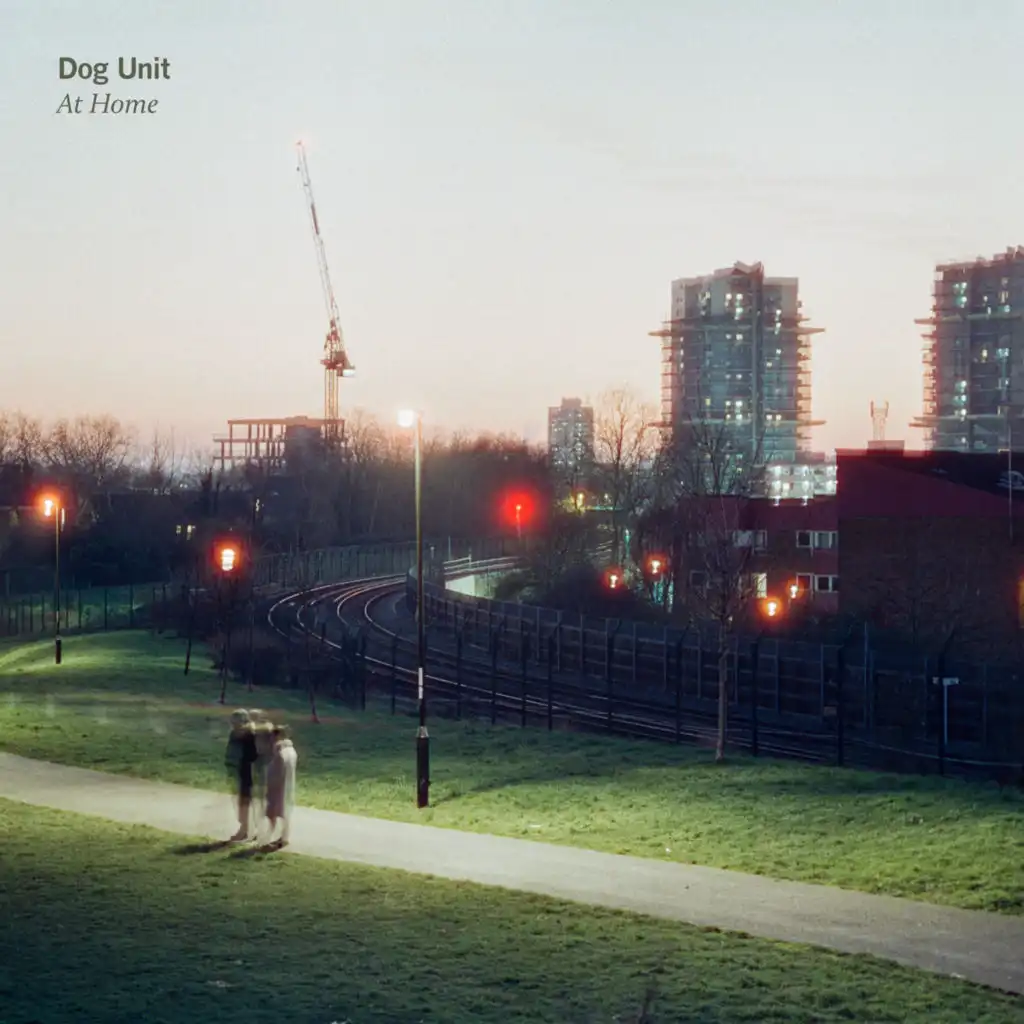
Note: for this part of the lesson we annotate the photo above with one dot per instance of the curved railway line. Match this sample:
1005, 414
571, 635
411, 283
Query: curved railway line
469, 680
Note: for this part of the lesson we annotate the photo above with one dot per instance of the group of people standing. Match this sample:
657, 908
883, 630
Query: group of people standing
261, 762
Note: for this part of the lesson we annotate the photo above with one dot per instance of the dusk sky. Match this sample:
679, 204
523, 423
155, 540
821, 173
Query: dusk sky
506, 190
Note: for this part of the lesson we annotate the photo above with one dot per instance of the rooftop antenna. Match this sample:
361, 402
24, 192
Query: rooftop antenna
879, 414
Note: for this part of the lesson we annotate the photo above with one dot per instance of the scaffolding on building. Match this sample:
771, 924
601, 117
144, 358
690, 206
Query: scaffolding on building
967, 402
682, 379
269, 443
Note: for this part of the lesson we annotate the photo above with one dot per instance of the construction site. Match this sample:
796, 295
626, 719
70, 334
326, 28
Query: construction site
972, 354
272, 443
736, 354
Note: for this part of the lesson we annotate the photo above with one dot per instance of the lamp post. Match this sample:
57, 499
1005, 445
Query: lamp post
53, 507
407, 419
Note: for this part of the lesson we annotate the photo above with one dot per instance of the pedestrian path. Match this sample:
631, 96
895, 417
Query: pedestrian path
980, 947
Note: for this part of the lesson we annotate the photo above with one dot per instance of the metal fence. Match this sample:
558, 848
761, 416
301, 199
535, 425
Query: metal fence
851, 704
141, 605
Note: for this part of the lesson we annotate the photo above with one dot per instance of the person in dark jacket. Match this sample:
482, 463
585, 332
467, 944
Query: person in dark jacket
239, 758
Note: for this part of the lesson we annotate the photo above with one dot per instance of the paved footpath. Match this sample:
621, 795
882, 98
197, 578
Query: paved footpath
981, 947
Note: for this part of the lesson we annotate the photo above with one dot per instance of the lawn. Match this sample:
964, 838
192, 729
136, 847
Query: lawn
104, 922
120, 703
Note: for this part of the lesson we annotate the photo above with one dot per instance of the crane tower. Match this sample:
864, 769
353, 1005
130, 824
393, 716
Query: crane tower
335, 359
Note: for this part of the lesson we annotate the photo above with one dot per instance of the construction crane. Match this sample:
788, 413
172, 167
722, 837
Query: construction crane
335, 360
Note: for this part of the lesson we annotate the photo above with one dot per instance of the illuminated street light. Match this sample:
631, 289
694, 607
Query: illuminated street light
52, 508
408, 418
772, 607
794, 590
227, 559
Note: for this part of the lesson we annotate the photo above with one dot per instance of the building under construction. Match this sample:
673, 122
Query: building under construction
273, 444
736, 354
974, 356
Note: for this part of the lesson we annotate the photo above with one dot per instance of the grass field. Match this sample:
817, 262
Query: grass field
120, 703
103, 922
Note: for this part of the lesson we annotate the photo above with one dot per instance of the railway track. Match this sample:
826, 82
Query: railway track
460, 679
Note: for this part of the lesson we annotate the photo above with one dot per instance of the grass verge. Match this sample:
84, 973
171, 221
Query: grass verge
120, 703
105, 922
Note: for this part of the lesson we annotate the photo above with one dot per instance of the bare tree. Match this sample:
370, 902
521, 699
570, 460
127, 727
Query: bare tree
7, 432
162, 462
705, 483
625, 443
91, 450
26, 446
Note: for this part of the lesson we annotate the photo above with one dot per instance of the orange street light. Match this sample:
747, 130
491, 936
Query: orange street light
794, 590
656, 565
52, 508
772, 607
227, 558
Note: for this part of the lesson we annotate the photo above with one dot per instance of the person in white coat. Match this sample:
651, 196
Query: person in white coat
281, 785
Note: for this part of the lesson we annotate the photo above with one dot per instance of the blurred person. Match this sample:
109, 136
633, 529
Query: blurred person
239, 758
281, 785
263, 730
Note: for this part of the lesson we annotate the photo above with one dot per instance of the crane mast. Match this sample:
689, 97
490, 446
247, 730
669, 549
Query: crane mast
335, 359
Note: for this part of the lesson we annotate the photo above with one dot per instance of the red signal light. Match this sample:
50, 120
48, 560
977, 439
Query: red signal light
518, 509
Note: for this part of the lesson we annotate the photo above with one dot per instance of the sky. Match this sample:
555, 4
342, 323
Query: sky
506, 189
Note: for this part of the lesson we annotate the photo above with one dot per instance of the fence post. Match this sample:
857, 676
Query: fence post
583, 648
539, 653
821, 680
940, 669
984, 705
362, 672
679, 689
558, 641
609, 653
700, 665
755, 657
635, 657
778, 677
840, 702
458, 675
394, 671
494, 677
551, 664
524, 652
664, 658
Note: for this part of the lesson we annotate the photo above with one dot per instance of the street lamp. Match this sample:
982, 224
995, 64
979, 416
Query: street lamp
227, 558
52, 508
408, 418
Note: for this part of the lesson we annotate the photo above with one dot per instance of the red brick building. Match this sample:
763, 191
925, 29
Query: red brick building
775, 544
932, 546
